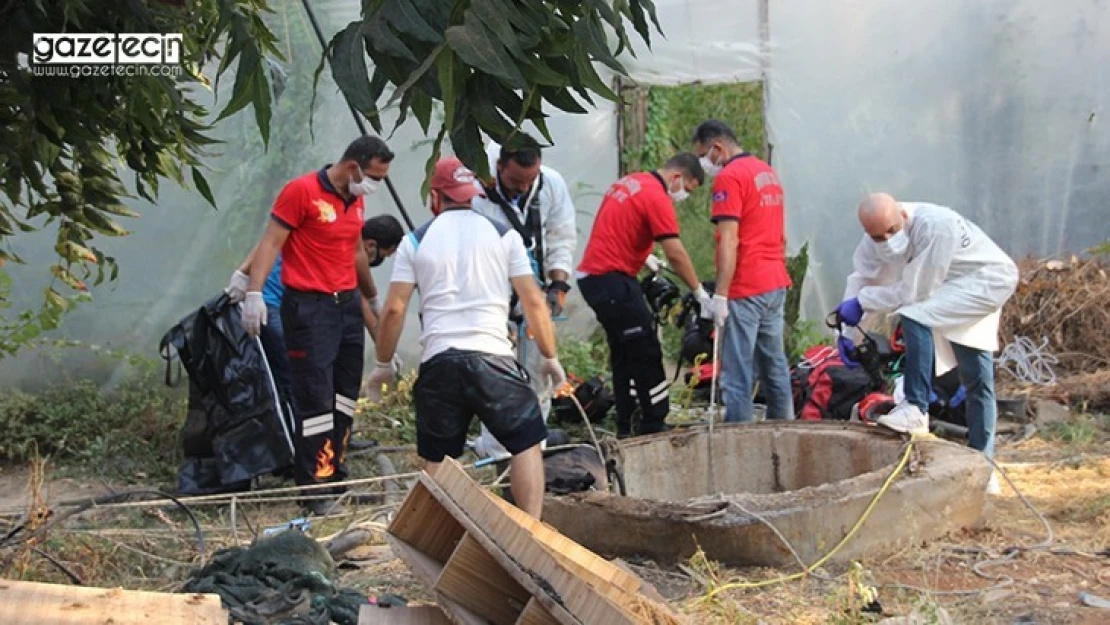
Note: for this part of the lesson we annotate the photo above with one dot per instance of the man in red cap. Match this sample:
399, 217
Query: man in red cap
466, 266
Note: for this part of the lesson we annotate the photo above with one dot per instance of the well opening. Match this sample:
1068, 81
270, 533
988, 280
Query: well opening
750, 460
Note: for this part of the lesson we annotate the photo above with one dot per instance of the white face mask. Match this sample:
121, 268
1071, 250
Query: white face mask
365, 186
711, 168
680, 194
895, 246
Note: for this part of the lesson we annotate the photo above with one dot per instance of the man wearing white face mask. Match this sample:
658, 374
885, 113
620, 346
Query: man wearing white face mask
316, 226
637, 212
752, 280
948, 281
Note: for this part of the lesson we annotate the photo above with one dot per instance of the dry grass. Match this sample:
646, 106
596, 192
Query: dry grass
1070, 484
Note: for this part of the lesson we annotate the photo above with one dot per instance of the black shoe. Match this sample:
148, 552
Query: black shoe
357, 444
325, 507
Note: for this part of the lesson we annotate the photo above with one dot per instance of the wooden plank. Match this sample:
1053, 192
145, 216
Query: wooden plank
32, 603
428, 570
425, 525
568, 550
454, 480
474, 579
534, 614
410, 615
569, 599
517, 533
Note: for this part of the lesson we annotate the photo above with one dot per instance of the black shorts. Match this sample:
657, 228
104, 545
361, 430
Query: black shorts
457, 385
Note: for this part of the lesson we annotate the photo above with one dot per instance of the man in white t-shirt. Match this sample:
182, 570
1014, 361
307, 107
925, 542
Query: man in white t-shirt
466, 267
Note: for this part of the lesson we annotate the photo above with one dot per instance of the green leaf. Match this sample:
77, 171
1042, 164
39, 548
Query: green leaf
100, 223
589, 77
491, 13
406, 19
590, 35
381, 38
201, 183
476, 47
451, 77
241, 94
467, 143
417, 75
348, 68
430, 164
262, 110
422, 109
116, 208
562, 99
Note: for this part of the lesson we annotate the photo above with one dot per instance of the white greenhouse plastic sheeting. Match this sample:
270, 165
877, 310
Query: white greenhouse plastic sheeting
991, 107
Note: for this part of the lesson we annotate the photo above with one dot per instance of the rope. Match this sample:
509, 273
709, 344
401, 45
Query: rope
1028, 362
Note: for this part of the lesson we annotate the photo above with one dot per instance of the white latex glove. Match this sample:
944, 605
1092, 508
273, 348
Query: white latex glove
704, 300
382, 375
254, 312
653, 264
236, 289
397, 363
718, 310
552, 372
375, 307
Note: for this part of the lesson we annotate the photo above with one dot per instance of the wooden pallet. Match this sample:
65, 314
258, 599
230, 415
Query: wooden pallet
488, 562
32, 603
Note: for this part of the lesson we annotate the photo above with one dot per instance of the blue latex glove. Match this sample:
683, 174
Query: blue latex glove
850, 311
844, 345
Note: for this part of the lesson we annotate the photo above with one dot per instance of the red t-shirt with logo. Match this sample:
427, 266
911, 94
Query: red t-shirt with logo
635, 213
747, 190
319, 254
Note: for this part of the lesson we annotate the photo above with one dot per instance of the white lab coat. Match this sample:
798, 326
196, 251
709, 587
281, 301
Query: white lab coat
557, 218
560, 236
953, 279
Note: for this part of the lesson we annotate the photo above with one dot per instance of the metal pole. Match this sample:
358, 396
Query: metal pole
356, 116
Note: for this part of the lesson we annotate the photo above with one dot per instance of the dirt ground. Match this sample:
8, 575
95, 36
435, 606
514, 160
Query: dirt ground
1068, 483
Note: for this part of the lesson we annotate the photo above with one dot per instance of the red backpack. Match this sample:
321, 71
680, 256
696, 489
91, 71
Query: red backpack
826, 389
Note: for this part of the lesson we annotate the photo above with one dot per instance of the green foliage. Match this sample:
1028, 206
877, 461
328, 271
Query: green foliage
1080, 430
62, 139
132, 429
585, 359
492, 64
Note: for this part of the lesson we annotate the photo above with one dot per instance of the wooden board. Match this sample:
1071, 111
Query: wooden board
32, 603
568, 598
455, 481
474, 579
423, 523
428, 570
410, 615
533, 544
535, 614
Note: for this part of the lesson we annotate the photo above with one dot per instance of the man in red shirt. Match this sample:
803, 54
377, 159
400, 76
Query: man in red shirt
316, 225
751, 274
637, 212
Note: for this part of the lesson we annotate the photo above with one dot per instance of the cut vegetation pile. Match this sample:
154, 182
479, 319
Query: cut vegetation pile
1062, 307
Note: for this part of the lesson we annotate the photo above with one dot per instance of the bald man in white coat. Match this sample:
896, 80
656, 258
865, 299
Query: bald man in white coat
948, 281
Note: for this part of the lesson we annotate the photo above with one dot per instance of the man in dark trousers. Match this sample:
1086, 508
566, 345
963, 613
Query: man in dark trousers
316, 226
637, 212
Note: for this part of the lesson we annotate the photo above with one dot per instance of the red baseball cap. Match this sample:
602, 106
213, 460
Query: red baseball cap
453, 179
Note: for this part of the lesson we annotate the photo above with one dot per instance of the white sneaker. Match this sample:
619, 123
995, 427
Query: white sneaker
906, 418
993, 487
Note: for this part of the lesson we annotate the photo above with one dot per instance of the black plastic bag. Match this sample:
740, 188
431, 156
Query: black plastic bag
236, 427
